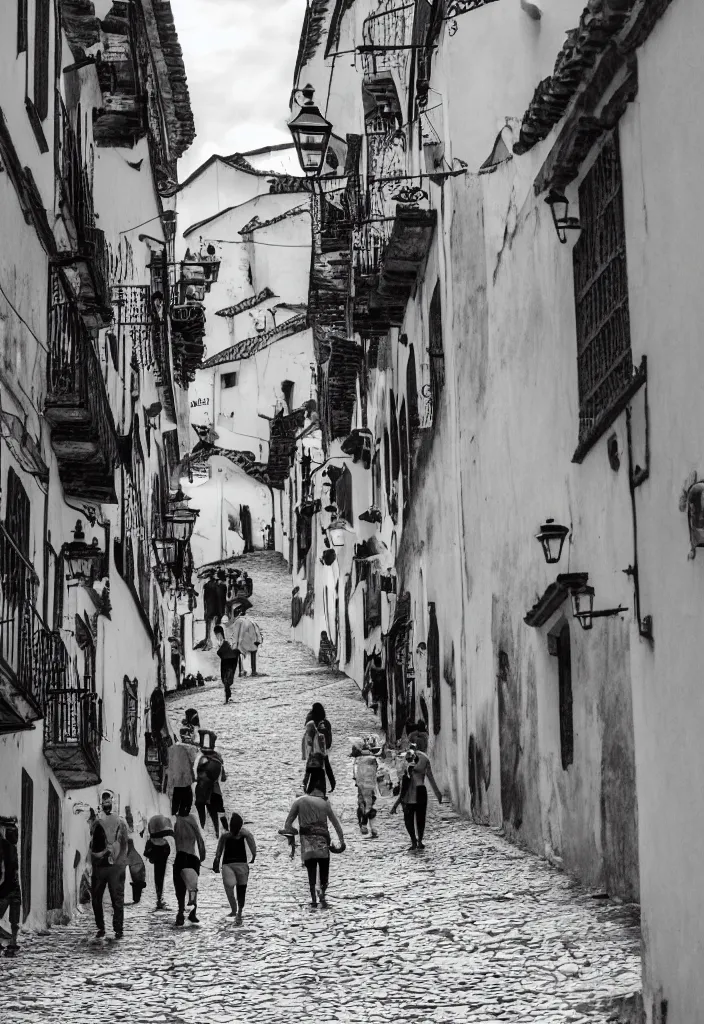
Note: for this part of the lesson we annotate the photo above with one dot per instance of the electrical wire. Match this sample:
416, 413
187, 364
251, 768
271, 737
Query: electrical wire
143, 224
22, 319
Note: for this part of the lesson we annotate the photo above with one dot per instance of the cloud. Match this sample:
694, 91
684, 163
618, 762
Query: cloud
240, 57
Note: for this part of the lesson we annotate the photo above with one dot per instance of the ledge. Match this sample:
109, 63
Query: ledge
554, 596
609, 415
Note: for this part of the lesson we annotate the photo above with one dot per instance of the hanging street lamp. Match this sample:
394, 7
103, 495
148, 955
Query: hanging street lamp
559, 205
84, 560
583, 607
552, 537
311, 134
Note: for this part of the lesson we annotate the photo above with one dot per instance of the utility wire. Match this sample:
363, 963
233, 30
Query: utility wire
22, 319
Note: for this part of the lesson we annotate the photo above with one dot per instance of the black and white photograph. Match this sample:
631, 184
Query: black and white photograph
351, 511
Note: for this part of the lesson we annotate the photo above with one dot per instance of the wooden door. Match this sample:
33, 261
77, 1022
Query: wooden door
54, 854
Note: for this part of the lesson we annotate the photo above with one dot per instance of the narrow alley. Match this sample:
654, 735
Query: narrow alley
471, 929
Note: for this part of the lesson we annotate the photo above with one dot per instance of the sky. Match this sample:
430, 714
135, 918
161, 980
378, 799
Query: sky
239, 57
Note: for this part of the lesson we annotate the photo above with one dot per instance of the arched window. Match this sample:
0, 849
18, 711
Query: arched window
434, 665
436, 351
564, 668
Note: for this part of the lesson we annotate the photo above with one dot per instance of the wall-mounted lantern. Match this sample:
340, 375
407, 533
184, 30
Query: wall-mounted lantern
179, 523
311, 134
583, 607
166, 551
552, 537
338, 531
559, 205
84, 560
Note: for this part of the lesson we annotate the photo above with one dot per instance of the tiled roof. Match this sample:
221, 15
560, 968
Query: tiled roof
255, 224
311, 34
245, 304
601, 22
178, 114
250, 346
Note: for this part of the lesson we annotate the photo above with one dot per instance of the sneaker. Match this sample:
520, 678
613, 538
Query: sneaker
363, 829
180, 920
238, 919
375, 834
322, 897
192, 916
118, 935
413, 846
160, 905
100, 934
421, 845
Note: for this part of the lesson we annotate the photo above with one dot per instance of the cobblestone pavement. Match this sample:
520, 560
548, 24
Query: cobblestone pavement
472, 929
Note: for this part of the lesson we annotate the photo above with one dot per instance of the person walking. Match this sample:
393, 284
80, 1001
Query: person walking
313, 812
10, 890
246, 638
209, 772
229, 660
180, 773
365, 771
187, 862
108, 854
317, 740
414, 796
157, 851
232, 851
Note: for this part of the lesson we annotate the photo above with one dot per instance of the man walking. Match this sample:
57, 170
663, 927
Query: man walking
180, 774
108, 851
229, 660
246, 638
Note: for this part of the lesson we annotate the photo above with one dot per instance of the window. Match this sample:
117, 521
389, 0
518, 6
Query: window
21, 26
564, 668
604, 361
228, 380
17, 514
130, 716
54, 854
435, 350
41, 57
287, 391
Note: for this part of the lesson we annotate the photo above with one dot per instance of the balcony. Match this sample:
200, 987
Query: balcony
32, 658
86, 258
72, 733
83, 431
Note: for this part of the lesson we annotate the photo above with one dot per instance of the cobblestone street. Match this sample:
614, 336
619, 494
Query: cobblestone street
470, 929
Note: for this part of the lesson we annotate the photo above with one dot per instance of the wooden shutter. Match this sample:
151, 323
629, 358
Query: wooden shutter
27, 818
41, 57
17, 518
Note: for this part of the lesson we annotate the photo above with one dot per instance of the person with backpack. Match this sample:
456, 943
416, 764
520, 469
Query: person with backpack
232, 851
317, 741
209, 772
229, 660
108, 854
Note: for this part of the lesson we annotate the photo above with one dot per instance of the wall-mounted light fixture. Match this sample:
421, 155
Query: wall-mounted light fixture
84, 560
559, 205
338, 531
311, 134
583, 607
552, 537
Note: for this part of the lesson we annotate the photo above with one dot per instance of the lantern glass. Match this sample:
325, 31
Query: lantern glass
583, 606
166, 549
552, 538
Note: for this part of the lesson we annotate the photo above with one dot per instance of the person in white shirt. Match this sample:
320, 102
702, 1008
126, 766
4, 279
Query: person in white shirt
246, 638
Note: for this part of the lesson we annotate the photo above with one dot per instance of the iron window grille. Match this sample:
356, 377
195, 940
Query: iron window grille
605, 372
130, 716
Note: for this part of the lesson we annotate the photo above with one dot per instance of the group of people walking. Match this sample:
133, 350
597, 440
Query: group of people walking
195, 771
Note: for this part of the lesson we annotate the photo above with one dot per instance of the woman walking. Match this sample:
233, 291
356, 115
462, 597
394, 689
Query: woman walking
157, 851
187, 863
313, 812
232, 851
317, 740
414, 796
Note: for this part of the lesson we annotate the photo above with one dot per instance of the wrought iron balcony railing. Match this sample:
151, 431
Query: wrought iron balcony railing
77, 406
73, 725
32, 657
